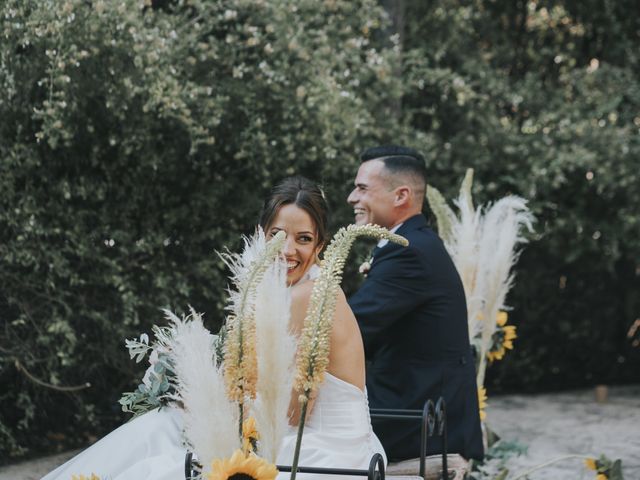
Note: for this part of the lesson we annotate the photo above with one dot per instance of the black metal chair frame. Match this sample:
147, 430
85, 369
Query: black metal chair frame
374, 472
433, 420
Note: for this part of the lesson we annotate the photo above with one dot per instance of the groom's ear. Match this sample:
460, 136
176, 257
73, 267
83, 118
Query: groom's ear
402, 196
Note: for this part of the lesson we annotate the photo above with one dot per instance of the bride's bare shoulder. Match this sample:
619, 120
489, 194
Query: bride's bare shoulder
300, 297
343, 310
301, 294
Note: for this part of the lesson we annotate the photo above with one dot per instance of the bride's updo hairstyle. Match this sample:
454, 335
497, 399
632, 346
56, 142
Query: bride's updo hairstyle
304, 194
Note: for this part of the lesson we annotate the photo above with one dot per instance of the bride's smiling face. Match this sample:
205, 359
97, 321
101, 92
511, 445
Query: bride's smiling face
301, 245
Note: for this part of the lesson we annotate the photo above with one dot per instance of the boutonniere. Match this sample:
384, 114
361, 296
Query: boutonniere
365, 267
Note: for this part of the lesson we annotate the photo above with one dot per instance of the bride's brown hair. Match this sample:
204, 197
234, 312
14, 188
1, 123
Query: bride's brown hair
304, 194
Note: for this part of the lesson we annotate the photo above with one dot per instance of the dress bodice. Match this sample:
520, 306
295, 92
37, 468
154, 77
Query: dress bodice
337, 433
340, 407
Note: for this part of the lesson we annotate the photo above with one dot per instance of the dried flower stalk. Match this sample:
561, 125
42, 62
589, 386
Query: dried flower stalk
482, 242
247, 269
314, 345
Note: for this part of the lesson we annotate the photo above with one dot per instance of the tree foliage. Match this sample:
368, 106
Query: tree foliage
139, 136
541, 98
136, 139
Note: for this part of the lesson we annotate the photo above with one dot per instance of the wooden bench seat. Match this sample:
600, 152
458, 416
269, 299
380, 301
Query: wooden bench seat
458, 468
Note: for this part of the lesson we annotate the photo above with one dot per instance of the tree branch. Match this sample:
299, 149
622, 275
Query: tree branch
21, 368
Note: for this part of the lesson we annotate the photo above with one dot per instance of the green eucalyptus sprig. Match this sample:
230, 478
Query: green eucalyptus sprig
158, 380
157, 388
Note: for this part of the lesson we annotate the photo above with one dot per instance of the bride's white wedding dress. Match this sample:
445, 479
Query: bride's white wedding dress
337, 434
149, 446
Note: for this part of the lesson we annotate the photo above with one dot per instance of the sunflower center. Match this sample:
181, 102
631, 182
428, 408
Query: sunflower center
241, 476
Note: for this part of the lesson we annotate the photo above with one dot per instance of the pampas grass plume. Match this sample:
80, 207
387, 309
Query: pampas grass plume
210, 419
276, 349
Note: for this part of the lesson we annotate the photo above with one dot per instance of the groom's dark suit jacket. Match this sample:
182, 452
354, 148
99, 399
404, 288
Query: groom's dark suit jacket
412, 313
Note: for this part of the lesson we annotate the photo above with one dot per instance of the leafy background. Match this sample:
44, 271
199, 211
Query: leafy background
138, 137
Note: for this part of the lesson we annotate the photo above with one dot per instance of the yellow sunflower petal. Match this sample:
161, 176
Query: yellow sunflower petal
249, 429
501, 318
510, 332
601, 476
221, 469
482, 402
252, 466
590, 463
246, 446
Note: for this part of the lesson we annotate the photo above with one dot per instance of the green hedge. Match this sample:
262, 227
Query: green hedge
542, 100
138, 137
134, 143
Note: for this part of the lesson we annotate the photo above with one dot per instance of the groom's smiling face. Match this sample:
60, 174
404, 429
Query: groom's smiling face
372, 198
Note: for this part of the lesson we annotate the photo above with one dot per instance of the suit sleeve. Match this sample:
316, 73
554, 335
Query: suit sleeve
395, 286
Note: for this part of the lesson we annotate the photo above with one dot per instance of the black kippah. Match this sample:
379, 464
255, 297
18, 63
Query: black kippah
390, 151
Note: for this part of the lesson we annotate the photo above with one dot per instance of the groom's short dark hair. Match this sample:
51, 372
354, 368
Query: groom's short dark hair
390, 151
399, 160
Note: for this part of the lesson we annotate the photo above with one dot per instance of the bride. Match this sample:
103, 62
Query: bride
337, 431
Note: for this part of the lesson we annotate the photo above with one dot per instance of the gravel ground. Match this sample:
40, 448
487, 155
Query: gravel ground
34, 469
570, 423
550, 425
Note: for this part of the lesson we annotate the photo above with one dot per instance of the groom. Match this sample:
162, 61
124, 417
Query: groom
412, 311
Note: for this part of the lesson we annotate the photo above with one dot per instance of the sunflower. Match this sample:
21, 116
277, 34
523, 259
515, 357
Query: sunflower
502, 339
241, 467
482, 402
250, 435
509, 336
